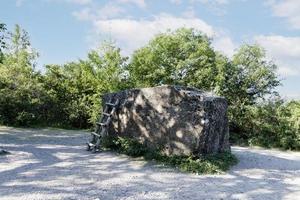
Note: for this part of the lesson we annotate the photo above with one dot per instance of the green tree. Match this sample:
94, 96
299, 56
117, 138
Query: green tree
19, 84
273, 123
184, 57
69, 95
2, 40
246, 80
294, 108
256, 76
75, 89
108, 67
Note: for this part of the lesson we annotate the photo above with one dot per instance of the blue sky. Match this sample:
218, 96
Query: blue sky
65, 30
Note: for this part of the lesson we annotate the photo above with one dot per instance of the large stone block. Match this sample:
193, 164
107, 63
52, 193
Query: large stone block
179, 120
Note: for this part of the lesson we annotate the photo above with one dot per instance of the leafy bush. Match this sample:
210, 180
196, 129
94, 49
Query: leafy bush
186, 57
271, 124
210, 164
124, 145
69, 95
65, 96
20, 86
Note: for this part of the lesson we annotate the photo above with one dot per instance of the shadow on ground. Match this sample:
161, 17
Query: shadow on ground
53, 164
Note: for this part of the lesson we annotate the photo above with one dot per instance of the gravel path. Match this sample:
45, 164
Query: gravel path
52, 164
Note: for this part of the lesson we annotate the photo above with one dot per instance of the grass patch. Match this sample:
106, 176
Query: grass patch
209, 164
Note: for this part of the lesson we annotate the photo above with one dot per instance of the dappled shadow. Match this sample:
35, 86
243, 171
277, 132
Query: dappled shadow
52, 164
21, 136
170, 117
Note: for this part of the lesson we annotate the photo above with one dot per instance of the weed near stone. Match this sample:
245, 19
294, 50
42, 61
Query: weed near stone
206, 164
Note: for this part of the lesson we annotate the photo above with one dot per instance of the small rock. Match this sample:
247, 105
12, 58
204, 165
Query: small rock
3, 152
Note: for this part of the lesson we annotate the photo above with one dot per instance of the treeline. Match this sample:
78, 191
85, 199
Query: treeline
69, 95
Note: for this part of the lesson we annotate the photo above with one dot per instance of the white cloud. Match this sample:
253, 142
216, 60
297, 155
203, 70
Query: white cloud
289, 9
85, 14
206, 2
291, 96
19, 3
110, 10
281, 46
225, 45
217, 7
140, 3
189, 12
285, 51
215, 2
107, 11
80, 2
131, 34
177, 2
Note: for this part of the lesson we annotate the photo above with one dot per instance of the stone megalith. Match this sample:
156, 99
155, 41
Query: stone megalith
179, 120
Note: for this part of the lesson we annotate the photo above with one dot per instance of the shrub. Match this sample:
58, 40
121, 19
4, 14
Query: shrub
271, 124
209, 164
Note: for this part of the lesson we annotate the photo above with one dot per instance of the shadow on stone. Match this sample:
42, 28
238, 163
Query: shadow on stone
179, 120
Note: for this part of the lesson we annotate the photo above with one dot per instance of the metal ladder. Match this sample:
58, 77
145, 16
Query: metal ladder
102, 126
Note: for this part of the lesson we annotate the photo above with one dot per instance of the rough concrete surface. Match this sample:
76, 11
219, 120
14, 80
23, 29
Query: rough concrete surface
52, 164
177, 119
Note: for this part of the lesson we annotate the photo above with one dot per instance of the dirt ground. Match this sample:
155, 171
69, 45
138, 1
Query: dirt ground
53, 164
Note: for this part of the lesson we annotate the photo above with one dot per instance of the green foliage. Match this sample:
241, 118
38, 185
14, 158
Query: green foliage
182, 57
124, 145
272, 124
2, 40
69, 95
250, 77
293, 118
75, 89
186, 57
210, 164
65, 96
19, 84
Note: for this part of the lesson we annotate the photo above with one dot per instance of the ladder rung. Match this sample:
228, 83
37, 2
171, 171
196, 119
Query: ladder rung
96, 134
111, 104
101, 124
90, 144
106, 114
